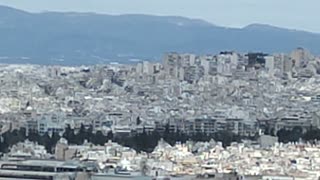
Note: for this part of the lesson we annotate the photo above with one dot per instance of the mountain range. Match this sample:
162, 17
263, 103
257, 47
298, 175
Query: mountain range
87, 38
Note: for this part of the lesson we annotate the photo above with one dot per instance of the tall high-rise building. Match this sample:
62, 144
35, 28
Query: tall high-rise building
206, 66
224, 63
139, 68
172, 62
147, 68
300, 57
181, 74
269, 63
287, 64
188, 59
234, 57
256, 60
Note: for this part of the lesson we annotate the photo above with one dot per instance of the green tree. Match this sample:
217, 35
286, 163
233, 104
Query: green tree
312, 134
45, 140
99, 138
110, 135
138, 121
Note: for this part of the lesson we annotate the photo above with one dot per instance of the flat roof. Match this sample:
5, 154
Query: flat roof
53, 163
45, 163
34, 173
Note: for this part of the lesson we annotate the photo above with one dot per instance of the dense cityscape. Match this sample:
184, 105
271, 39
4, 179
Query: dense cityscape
230, 115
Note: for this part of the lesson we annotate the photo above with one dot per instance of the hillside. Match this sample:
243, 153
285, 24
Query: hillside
88, 38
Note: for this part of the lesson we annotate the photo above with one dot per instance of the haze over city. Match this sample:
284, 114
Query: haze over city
159, 90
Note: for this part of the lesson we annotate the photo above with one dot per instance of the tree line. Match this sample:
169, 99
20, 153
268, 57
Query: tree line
296, 134
49, 141
145, 141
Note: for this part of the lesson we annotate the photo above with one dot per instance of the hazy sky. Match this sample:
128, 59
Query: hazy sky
296, 14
